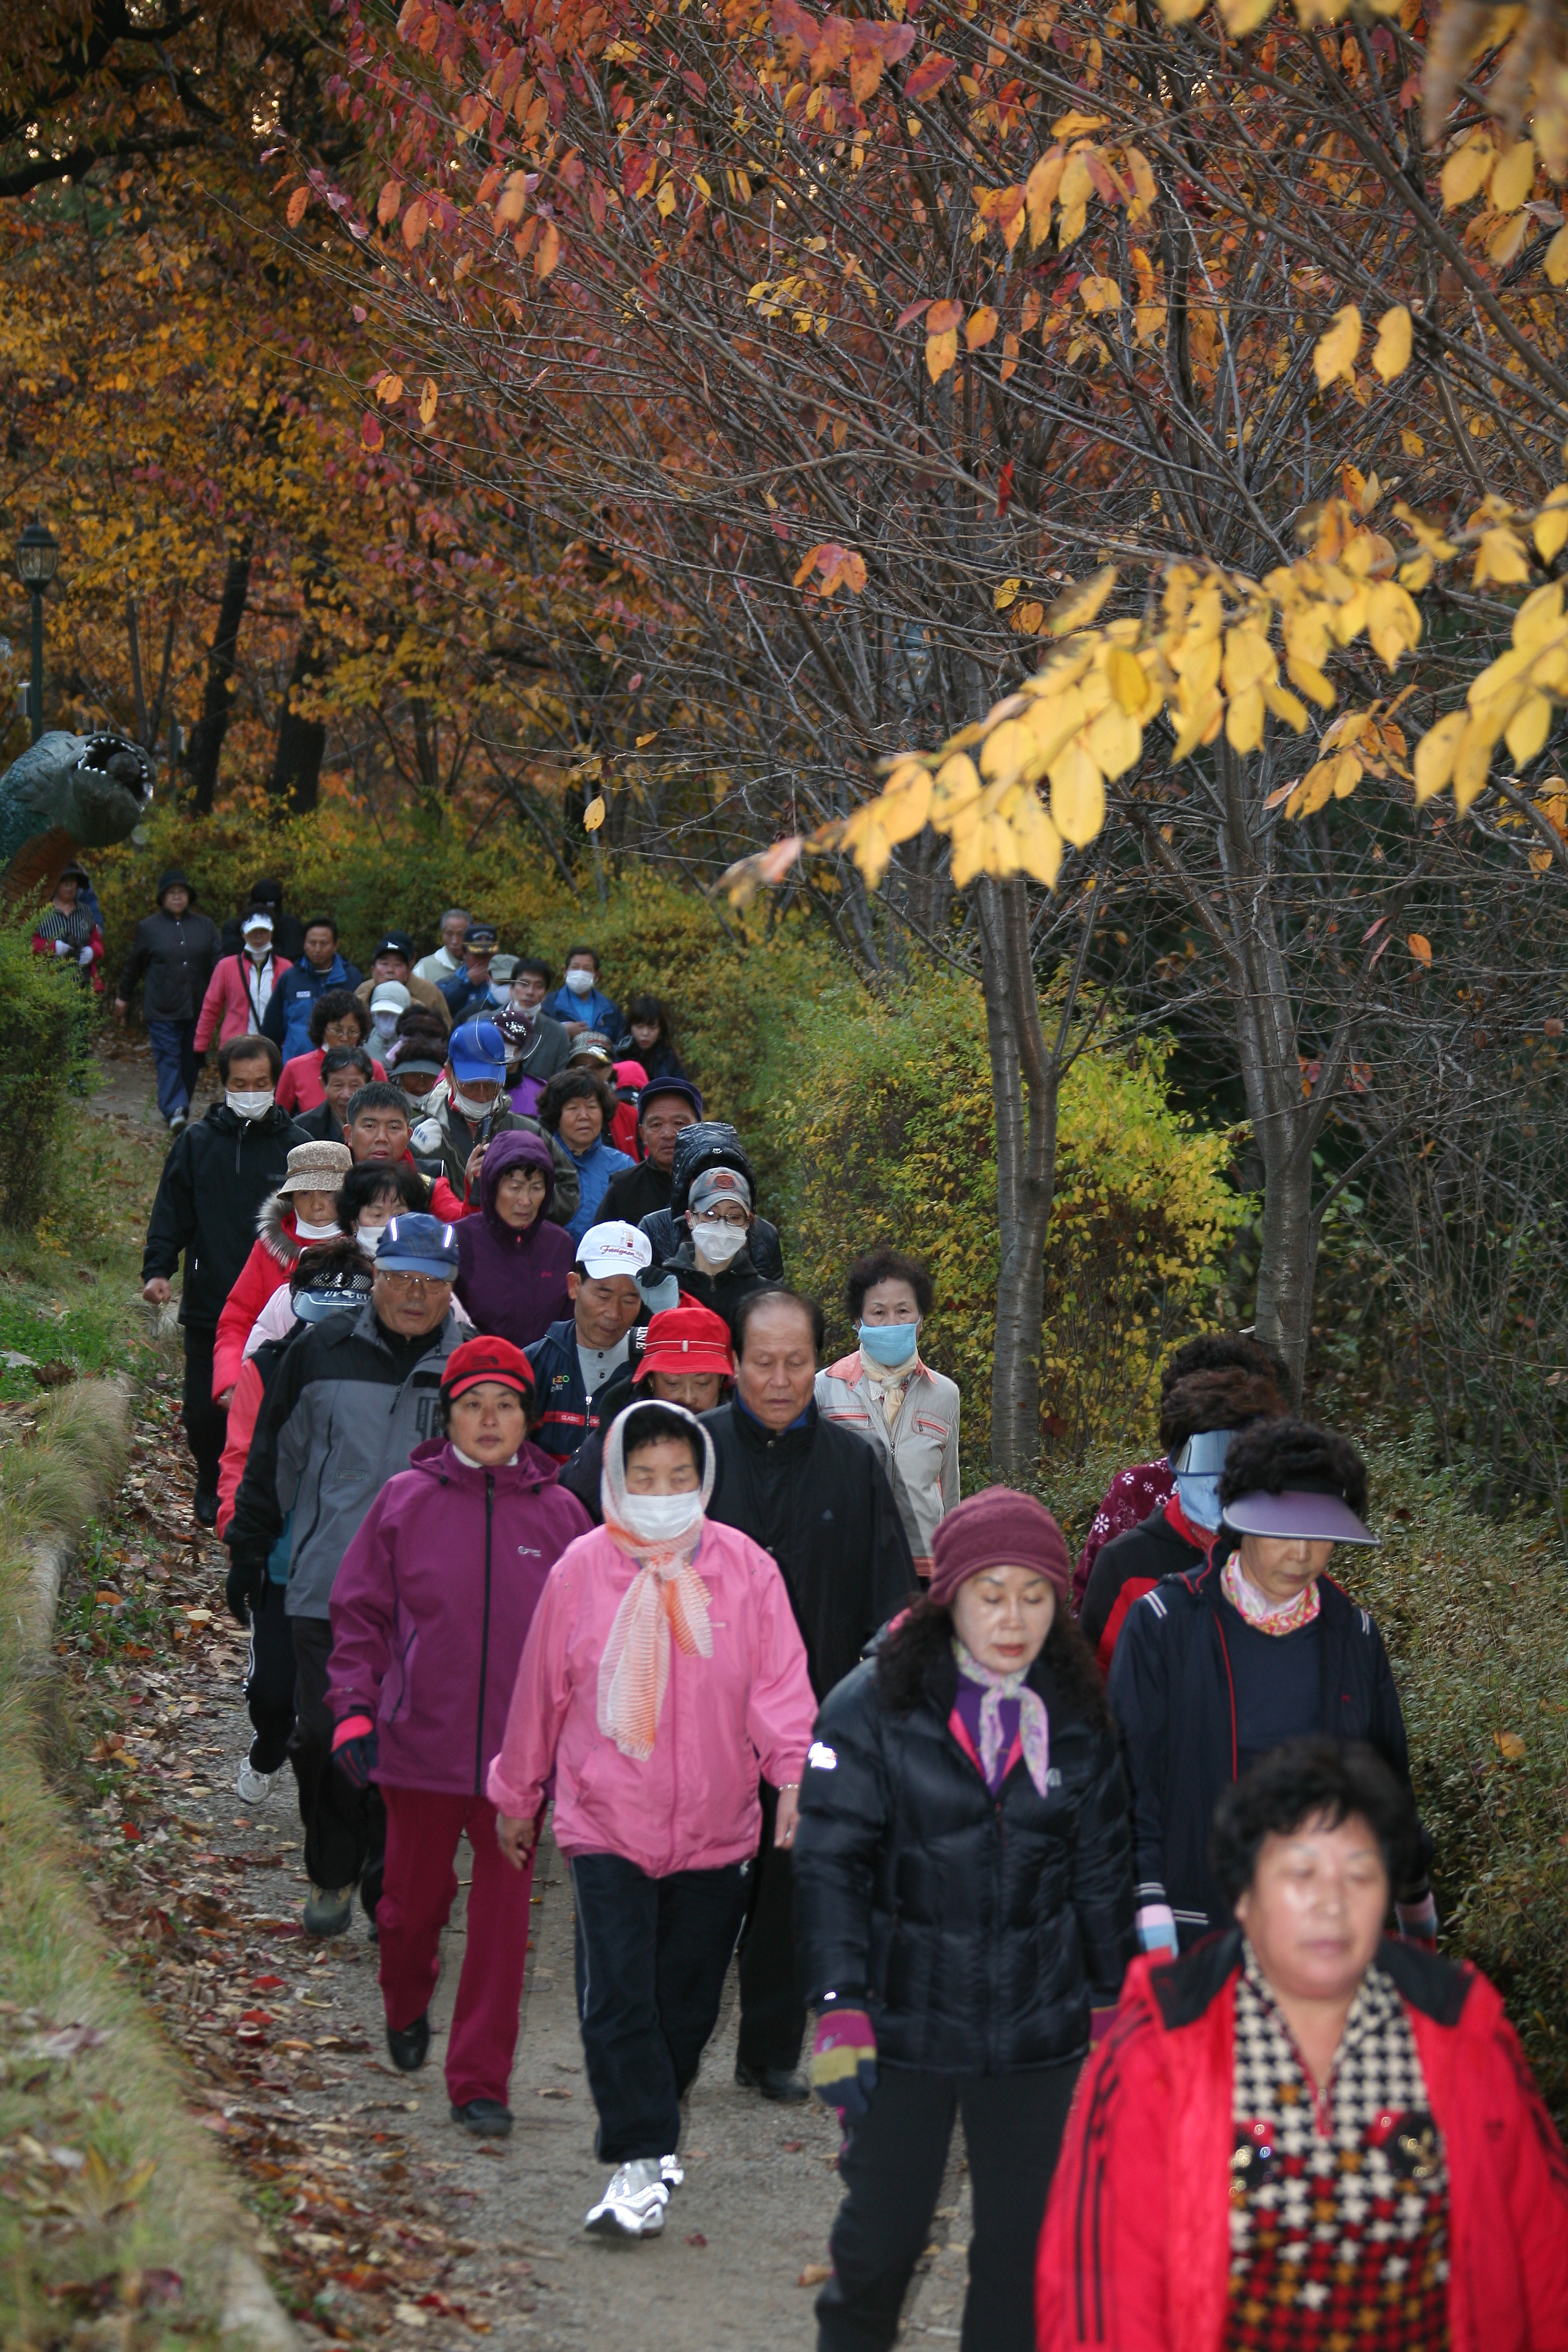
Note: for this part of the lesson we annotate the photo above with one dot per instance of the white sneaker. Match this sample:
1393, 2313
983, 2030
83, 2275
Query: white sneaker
251, 1787
633, 2205
672, 2172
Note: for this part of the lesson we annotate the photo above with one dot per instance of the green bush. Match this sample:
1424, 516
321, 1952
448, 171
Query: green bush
49, 1023
881, 1118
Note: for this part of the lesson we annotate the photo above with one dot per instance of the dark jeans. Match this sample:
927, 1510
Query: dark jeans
651, 1958
174, 1061
270, 1675
893, 2165
207, 1423
772, 2004
345, 1827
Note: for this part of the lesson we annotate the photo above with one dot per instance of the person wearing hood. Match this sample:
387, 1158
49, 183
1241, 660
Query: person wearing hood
240, 989
513, 1263
288, 931
713, 1266
1217, 1668
536, 1046
303, 1210
215, 1179
319, 971
1199, 1416
710, 1143
469, 1108
685, 1357
666, 1108
430, 1611
576, 1109
887, 1395
662, 1675
69, 931
176, 948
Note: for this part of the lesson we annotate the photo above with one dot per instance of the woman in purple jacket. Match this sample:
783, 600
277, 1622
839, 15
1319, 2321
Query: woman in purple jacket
512, 1263
430, 1611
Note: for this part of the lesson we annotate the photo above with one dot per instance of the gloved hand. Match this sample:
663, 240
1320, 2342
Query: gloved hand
62, 947
844, 2062
1418, 1922
245, 1584
84, 958
355, 1750
1157, 1928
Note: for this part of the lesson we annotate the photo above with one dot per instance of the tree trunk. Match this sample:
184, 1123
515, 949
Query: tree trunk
205, 745
1026, 1081
297, 763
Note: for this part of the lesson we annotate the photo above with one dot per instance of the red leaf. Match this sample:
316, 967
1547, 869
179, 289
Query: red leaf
928, 77
370, 436
1005, 489
916, 310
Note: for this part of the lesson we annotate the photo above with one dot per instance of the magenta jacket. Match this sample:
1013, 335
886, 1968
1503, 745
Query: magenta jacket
227, 1006
748, 1709
432, 1605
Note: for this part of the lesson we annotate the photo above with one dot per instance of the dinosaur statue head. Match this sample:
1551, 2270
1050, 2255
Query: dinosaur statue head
86, 791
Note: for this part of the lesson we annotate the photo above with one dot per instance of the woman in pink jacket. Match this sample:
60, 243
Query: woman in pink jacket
663, 1673
240, 989
429, 1609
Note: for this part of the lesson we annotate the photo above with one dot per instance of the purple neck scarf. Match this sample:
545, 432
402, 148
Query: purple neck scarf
1034, 1723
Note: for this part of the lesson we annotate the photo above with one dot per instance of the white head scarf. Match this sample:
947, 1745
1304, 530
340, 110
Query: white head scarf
666, 1596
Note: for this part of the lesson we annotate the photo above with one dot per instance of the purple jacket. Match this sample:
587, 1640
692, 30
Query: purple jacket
433, 1604
514, 1284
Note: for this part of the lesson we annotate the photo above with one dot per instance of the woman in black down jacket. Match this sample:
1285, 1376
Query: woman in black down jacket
964, 1894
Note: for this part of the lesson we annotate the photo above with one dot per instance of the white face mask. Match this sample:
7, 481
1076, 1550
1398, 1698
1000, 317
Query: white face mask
418, 1104
249, 1106
304, 1233
368, 1234
661, 1519
386, 1024
717, 1244
579, 982
468, 1107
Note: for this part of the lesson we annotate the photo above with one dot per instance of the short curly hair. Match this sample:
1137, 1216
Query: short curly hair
1326, 1781
575, 1086
886, 1264
338, 1004
1218, 1351
1278, 1458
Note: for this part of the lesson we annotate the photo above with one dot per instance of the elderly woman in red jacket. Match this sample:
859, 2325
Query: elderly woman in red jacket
1302, 2136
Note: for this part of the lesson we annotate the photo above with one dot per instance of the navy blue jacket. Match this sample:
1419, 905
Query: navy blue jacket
1172, 1694
469, 999
594, 1010
569, 1412
287, 1020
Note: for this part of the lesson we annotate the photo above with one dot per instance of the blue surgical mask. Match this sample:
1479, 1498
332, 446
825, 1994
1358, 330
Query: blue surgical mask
889, 1343
1198, 1466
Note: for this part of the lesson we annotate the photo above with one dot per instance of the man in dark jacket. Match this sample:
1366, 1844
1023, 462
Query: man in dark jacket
816, 1497
1206, 1405
710, 1143
578, 1357
288, 931
666, 1109
176, 948
320, 971
347, 1403
215, 1179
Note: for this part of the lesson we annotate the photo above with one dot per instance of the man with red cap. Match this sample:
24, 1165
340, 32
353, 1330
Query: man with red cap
685, 1359
430, 1611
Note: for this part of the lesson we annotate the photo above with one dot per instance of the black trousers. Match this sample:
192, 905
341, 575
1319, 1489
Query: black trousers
345, 1827
893, 2165
207, 1423
772, 2004
652, 1953
270, 1677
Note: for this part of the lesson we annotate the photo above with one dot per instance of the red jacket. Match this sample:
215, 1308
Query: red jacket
1135, 2251
238, 1431
300, 1084
272, 1255
227, 1007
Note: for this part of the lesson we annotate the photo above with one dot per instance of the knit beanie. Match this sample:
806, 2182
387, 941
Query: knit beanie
996, 1529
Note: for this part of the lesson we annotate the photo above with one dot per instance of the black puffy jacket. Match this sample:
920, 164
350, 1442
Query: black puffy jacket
215, 1179
976, 1928
709, 1144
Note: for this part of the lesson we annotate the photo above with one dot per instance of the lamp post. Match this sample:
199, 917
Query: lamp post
37, 555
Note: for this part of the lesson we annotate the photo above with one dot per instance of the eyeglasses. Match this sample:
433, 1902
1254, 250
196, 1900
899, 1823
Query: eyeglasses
413, 1285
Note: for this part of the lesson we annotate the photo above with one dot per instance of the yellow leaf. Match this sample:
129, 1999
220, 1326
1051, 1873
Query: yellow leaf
1468, 169
297, 203
1501, 557
1347, 773
902, 813
1411, 443
872, 851
1074, 609
1334, 352
1390, 353
956, 787
1100, 293
1513, 176
594, 814
1004, 595
427, 400
1078, 796
1039, 194
1312, 791
1248, 659
1039, 845
1393, 621
1005, 751
1244, 16
1506, 238
389, 389
1527, 730
1285, 705
1127, 679
1311, 679
941, 353
1471, 764
549, 251
1148, 320
1510, 1747
664, 202
1434, 754
1552, 528
1244, 719
1145, 190
1115, 741
982, 327
1557, 258
1420, 947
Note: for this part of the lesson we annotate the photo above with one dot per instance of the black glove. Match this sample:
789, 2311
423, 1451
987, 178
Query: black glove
355, 1750
245, 1584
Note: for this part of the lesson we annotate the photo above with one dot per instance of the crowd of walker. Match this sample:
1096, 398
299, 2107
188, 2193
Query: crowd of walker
538, 1493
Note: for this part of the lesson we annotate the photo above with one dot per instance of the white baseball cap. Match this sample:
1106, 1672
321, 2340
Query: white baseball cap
606, 1250
389, 996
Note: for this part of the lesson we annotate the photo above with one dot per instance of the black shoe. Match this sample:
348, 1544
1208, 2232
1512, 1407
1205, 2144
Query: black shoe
408, 2044
780, 2083
206, 1508
486, 2118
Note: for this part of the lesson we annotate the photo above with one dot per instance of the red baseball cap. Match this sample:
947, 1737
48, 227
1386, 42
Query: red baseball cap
487, 1359
688, 1340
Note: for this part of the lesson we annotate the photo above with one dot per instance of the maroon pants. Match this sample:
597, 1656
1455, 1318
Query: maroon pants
423, 1826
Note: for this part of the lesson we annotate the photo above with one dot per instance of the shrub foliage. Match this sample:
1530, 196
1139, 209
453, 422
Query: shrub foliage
49, 1021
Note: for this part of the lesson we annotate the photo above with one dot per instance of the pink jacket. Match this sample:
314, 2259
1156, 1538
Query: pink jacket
693, 1805
227, 1007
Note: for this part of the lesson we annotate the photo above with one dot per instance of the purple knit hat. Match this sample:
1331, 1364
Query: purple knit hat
996, 1529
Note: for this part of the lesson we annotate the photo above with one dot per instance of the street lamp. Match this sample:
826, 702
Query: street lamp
37, 555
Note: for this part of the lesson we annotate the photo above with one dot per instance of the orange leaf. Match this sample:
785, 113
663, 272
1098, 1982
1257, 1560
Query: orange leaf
389, 389
928, 77
386, 203
549, 252
427, 399
415, 221
1510, 1747
297, 203
1420, 947
941, 316
982, 327
942, 351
